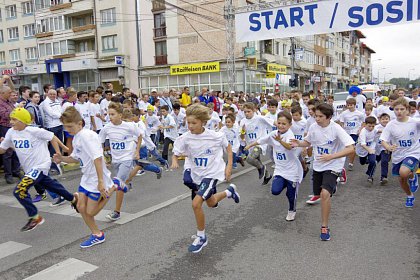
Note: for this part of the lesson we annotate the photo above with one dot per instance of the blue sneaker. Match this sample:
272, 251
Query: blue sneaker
166, 165
198, 244
120, 185
93, 240
325, 234
414, 183
235, 195
261, 172
410, 202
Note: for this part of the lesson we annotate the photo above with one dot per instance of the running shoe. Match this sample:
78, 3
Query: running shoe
198, 244
32, 224
120, 185
58, 201
314, 200
305, 172
39, 197
74, 204
414, 184
56, 169
166, 165
325, 234
113, 216
241, 161
93, 240
351, 166
140, 173
235, 195
290, 216
261, 172
343, 177
410, 202
370, 180
130, 187
159, 174
384, 181
267, 179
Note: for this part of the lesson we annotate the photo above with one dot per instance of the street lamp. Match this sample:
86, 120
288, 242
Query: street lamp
385, 76
378, 73
409, 70
371, 69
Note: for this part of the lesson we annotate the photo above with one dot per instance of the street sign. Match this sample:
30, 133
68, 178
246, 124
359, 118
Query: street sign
119, 60
299, 54
270, 75
249, 51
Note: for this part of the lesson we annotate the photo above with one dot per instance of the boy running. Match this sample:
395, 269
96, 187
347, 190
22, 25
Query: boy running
365, 147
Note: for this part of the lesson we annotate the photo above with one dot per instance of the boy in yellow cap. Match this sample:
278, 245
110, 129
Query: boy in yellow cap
31, 146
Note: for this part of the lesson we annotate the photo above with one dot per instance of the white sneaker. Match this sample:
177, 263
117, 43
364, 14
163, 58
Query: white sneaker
290, 216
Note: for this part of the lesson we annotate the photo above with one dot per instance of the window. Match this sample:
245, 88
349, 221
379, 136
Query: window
13, 33
285, 50
1, 36
56, 48
29, 30
109, 42
56, 2
160, 25
14, 55
0, 15
11, 11
82, 46
51, 24
160, 48
2, 57
42, 4
108, 16
31, 53
27, 8
277, 48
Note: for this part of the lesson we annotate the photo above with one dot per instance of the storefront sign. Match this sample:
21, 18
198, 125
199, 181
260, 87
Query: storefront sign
270, 75
195, 68
320, 17
249, 51
276, 68
9, 72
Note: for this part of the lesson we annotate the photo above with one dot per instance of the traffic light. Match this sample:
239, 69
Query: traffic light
294, 81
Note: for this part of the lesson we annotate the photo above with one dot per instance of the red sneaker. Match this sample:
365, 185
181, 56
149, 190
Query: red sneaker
343, 177
314, 200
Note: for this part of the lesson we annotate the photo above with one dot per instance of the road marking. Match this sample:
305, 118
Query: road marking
171, 201
67, 270
64, 209
11, 247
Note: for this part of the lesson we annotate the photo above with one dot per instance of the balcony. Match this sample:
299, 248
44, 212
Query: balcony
60, 5
44, 34
68, 55
159, 32
84, 28
161, 59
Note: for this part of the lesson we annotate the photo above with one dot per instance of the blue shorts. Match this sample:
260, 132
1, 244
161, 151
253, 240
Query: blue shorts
207, 188
92, 195
67, 135
355, 137
409, 162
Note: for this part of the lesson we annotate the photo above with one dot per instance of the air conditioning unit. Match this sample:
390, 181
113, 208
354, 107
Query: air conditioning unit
18, 64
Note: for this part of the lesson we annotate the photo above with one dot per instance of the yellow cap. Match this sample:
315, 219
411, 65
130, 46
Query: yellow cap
385, 99
151, 108
21, 115
265, 111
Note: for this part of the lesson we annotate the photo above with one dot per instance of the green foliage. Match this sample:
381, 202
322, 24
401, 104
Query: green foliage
404, 82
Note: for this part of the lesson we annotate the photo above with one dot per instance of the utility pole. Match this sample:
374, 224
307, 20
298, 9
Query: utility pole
230, 43
292, 53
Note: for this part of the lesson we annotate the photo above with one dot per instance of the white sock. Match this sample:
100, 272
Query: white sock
228, 193
410, 196
201, 233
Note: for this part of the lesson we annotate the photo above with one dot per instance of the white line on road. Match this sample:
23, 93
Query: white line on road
69, 269
11, 247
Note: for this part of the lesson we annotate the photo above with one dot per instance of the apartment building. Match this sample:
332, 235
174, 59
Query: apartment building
70, 42
186, 34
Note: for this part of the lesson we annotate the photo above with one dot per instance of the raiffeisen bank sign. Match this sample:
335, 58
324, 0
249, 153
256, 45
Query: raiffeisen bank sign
319, 17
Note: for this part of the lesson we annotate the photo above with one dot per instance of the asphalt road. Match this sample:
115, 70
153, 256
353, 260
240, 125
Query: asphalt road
373, 235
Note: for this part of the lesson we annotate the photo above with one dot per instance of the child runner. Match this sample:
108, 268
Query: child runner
84, 109
31, 146
170, 132
96, 184
401, 137
153, 124
382, 155
231, 131
351, 120
288, 172
123, 137
204, 151
366, 147
253, 128
299, 130
327, 139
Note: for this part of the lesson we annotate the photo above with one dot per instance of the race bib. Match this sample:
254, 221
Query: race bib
33, 174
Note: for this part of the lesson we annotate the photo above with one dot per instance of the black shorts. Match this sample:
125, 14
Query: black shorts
326, 180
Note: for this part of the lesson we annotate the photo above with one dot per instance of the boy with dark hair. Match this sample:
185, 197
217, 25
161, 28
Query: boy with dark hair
365, 147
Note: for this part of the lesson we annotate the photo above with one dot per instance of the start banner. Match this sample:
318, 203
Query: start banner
320, 17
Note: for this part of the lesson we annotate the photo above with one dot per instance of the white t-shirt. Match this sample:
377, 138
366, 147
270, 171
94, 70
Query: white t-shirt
406, 136
204, 152
96, 109
122, 140
66, 105
152, 124
352, 121
171, 133
310, 121
232, 136
143, 105
379, 148
366, 138
87, 148
104, 109
382, 109
31, 146
273, 119
360, 100
287, 164
213, 123
328, 140
146, 140
256, 128
181, 122
299, 129
84, 110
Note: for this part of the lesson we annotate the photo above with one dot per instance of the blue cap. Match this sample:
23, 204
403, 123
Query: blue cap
355, 89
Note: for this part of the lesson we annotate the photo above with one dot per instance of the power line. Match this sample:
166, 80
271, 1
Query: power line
200, 7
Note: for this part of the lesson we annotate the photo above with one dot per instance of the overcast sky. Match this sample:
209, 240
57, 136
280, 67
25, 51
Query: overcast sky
398, 47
